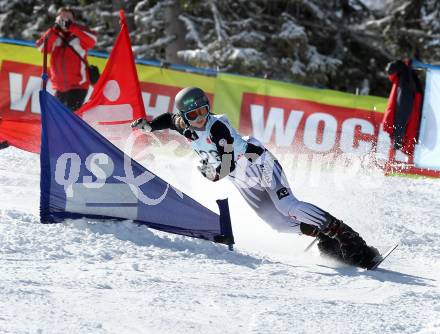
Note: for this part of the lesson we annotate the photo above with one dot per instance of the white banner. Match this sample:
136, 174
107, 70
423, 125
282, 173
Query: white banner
427, 152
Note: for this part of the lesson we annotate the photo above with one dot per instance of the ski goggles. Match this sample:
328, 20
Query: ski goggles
195, 114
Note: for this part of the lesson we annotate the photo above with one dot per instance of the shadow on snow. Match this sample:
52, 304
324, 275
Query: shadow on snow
382, 275
141, 235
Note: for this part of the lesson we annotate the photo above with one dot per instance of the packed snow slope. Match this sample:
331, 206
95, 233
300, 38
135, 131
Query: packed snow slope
105, 277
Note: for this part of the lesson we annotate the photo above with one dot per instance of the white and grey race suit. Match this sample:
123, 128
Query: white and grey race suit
253, 169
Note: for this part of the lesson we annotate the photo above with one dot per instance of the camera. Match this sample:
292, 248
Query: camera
63, 24
66, 24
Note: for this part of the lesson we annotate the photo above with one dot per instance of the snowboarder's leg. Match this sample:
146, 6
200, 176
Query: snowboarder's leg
269, 194
273, 200
251, 180
295, 211
331, 232
261, 203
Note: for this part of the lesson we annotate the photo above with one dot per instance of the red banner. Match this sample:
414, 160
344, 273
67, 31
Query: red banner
310, 127
20, 107
116, 100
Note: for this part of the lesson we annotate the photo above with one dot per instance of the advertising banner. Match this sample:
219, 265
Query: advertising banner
19, 105
298, 118
285, 116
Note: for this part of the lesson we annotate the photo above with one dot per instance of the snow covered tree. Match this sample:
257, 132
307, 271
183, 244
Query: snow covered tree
338, 44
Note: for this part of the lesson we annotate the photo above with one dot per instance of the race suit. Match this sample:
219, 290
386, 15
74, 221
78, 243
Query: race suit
252, 169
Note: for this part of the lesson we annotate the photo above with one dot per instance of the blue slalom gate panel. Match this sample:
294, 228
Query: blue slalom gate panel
85, 175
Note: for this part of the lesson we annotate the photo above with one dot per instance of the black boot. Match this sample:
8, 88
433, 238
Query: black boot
353, 248
329, 247
326, 245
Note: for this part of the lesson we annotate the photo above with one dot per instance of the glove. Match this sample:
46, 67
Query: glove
208, 170
190, 134
141, 123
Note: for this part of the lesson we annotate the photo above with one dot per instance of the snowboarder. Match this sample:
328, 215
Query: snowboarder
258, 176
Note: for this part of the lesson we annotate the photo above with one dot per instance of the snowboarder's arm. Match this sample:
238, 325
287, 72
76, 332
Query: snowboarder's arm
161, 122
168, 121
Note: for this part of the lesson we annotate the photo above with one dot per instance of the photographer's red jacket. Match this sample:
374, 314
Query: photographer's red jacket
67, 71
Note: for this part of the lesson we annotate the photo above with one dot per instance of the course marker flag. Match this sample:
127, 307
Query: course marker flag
116, 99
84, 175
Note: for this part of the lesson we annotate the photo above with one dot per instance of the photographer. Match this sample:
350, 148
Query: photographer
68, 43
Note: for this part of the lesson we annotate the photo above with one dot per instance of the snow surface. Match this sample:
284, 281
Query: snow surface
105, 277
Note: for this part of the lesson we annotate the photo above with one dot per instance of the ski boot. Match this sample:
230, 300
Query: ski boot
329, 247
354, 249
326, 245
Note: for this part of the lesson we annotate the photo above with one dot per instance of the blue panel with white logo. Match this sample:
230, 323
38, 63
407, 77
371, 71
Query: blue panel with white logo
85, 175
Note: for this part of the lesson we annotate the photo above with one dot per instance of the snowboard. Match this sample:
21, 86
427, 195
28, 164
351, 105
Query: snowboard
383, 257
